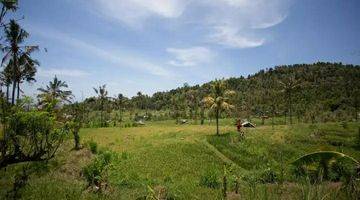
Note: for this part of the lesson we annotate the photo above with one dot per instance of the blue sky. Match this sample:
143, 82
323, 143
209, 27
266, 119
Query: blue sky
149, 46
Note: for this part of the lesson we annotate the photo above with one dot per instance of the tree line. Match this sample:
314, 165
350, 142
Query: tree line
303, 92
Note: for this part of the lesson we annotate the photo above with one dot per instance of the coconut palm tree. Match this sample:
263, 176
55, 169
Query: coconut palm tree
55, 93
7, 5
27, 70
102, 96
288, 86
218, 101
120, 104
15, 36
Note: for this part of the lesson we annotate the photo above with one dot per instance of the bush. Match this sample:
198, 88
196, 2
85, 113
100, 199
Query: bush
93, 147
30, 136
94, 172
210, 179
268, 176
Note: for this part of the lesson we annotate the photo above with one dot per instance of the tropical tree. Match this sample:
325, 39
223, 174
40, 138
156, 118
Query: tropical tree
26, 71
192, 100
76, 117
15, 36
7, 5
54, 93
102, 97
5, 79
218, 101
288, 86
120, 102
325, 160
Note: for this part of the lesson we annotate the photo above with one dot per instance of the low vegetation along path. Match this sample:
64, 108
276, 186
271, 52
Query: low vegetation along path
225, 159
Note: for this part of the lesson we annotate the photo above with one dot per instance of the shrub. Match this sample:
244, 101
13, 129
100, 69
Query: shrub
94, 172
30, 136
210, 179
93, 147
268, 176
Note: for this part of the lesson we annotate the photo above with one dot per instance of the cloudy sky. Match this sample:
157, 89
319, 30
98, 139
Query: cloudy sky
157, 45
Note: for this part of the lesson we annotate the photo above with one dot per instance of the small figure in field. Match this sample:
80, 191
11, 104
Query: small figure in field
238, 125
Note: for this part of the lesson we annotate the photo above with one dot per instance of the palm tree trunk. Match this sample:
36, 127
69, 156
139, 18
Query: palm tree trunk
13, 93
217, 122
18, 91
14, 49
7, 92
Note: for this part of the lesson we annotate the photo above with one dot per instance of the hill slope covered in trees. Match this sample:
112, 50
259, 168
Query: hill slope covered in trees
310, 92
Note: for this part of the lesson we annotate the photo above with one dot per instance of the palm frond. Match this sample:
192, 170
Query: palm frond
322, 156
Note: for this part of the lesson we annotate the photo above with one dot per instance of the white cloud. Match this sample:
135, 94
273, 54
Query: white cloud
122, 59
134, 12
190, 56
68, 72
229, 22
231, 37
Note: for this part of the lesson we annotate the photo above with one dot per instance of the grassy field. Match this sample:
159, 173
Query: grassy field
177, 157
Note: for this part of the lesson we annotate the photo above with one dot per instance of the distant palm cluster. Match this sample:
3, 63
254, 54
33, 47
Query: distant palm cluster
318, 92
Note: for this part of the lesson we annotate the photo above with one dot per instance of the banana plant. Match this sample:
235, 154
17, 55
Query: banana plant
325, 159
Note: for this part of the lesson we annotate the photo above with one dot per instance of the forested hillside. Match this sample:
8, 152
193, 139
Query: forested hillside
309, 92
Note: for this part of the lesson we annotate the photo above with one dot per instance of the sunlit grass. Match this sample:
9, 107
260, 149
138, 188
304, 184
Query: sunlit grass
176, 157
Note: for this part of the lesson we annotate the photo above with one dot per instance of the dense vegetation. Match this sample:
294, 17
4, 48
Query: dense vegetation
318, 92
